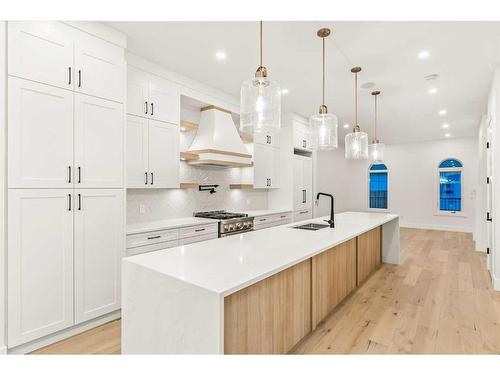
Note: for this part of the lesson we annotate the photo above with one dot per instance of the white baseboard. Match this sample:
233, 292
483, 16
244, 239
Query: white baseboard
3, 350
495, 281
64, 334
436, 227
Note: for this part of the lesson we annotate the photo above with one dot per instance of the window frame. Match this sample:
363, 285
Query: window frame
368, 188
438, 211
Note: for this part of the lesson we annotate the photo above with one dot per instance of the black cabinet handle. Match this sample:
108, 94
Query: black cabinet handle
488, 217
270, 182
79, 175
270, 140
152, 109
69, 174
303, 196
262, 219
146, 112
79, 78
146, 173
304, 143
69, 202
152, 178
199, 230
79, 202
153, 237
69, 75
303, 212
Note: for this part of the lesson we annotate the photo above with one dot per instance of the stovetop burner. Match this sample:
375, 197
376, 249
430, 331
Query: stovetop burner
219, 215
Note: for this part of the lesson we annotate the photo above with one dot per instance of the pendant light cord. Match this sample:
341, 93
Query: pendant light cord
323, 100
356, 99
375, 117
260, 46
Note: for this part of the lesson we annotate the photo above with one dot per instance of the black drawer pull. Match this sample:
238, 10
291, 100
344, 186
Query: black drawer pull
200, 230
79, 202
153, 237
152, 109
146, 178
304, 212
69, 202
79, 78
146, 108
79, 175
282, 217
262, 219
69, 174
69, 70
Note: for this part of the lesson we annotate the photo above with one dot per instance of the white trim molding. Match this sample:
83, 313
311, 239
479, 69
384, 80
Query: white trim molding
495, 281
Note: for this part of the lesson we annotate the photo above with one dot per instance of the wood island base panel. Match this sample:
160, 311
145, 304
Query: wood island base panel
255, 293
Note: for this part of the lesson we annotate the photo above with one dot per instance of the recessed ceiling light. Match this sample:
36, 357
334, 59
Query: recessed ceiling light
442, 112
422, 55
446, 126
284, 91
433, 91
220, 55
346, 126
447, 135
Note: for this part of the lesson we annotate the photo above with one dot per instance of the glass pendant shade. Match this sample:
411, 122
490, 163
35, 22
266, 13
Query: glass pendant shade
376, 152
356, 146
324, 128
260, 105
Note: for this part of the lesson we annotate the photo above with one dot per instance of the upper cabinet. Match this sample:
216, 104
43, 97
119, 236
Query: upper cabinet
266, 167
58, 55
152, 97
302, 139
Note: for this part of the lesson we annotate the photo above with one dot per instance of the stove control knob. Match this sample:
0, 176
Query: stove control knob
238, 225
226, 227
231, 226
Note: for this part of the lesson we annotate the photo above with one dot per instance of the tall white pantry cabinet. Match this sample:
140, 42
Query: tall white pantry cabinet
66, 196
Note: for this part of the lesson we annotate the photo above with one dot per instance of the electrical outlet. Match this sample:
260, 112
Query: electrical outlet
142, 208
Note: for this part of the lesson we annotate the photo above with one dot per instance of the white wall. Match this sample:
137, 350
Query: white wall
412, 182
3, 185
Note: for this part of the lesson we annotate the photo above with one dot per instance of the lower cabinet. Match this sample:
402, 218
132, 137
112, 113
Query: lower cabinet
369, 253
64, 252
271, 316
333, 278
99, 247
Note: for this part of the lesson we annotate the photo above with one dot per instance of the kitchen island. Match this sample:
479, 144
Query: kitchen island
257, 292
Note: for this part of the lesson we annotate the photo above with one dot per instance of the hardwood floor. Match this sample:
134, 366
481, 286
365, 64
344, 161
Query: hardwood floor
438, 300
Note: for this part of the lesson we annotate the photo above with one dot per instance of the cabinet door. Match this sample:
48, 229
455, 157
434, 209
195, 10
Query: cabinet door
298, 186
307, 182
267, 138
40, 136
301, 136
163, 160
262, 156
164, 101
99, 142
99, 247
137, 152
40, 263
137, 92
274, 164
99, 68
42, 52
369, 253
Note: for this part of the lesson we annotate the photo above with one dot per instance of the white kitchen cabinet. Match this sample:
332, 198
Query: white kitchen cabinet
42, 52
302, 183
40, 136
273, 220
137, 152
59, 55
99, 68
268, 138
302, 139
302, 215
152, 153
266, 166
152, 97
99, 142
40, 263
99, 239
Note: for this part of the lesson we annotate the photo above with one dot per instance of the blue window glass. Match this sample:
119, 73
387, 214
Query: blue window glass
450, 191
378, 186
450, 163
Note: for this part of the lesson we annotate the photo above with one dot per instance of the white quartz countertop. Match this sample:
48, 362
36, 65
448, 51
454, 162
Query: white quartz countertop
256, 213
151, 226
226, 265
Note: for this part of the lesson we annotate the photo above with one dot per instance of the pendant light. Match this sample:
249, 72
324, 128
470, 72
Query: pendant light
324, 125
260, 101
356, 143
376, 149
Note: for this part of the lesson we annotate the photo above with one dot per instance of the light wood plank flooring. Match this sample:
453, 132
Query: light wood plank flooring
439, 300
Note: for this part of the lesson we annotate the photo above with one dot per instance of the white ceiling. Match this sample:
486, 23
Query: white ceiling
464, 55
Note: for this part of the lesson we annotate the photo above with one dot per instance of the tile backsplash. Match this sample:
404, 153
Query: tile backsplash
162, 204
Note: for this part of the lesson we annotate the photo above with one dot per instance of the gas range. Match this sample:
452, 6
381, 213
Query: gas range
229, 223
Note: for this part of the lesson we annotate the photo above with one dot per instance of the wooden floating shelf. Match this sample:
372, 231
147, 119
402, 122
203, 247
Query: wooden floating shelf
188, 156
189, 185
220, 163
241, 186
187, 126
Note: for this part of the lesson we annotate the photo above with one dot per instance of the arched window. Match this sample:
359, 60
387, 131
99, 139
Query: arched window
450, 186
378, 186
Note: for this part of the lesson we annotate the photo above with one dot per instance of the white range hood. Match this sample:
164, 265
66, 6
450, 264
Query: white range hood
217, 141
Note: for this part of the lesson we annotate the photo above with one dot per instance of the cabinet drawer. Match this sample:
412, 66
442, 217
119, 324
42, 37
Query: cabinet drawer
204, 237
152, 247
198, 230
302, 215
149, 238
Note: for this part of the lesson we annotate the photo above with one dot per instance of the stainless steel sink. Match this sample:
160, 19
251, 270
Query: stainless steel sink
311, 226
